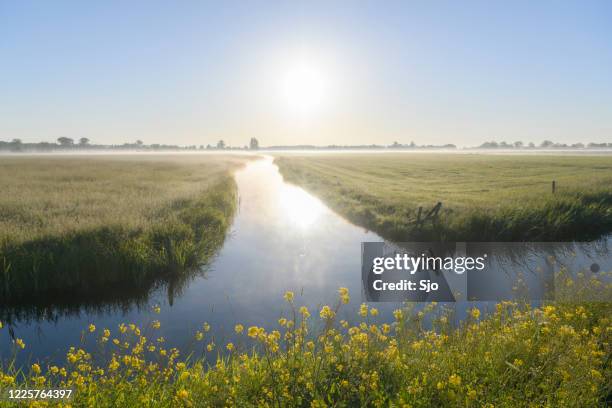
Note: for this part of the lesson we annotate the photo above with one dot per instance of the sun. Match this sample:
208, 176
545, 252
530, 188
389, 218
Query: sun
305, 88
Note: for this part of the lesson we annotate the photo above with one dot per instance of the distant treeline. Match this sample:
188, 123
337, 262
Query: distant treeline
546, 144
66, 143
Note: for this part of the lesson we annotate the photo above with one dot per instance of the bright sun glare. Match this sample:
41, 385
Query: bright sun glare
305, 88
299, 207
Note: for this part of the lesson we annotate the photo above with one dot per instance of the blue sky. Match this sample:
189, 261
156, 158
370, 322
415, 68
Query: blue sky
196, 72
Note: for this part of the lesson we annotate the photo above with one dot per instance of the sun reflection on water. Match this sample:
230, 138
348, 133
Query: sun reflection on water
299, 207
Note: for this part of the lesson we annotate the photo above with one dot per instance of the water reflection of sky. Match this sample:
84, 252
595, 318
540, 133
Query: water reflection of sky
282, 239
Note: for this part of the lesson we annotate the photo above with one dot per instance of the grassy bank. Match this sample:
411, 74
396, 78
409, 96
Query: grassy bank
80, 225
484, 197
554, 356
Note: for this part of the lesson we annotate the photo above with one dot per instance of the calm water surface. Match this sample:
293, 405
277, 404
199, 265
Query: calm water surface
282, 239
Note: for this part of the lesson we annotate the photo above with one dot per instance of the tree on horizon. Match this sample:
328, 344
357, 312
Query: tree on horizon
65, 141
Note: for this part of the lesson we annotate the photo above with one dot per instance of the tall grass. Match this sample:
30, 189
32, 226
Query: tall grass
484, 197
557, 355
79, 226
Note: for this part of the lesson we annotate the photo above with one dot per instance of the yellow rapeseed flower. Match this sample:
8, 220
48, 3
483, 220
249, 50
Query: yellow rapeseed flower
374, 311
363, 310
475, 313
20, 343
92, 328
289, 296
230, 346
344, 295
455, 380
36, 368
253, 331
326, 312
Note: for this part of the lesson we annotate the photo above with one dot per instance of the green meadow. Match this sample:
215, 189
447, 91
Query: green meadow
82, 224
483, 197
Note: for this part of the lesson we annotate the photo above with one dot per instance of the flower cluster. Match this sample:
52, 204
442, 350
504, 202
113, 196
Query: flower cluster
515, 355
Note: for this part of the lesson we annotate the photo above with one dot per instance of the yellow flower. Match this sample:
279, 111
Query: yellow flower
156, 324
20, 343
113, 365
344, 295
304, 312
206, 327
440, 385
92, 328
36, 368
455, 380
182, 394
475, 313
210, 347
326, 312
282, 321
253, 331
230, 346
157, 309
289, 296
107, 333
397, 313
363, 310
374, 311
199, 336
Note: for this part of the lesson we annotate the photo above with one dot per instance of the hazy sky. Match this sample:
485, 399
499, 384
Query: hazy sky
343, 72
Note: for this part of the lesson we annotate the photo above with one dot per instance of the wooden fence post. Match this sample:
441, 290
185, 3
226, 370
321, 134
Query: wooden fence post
553, 186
